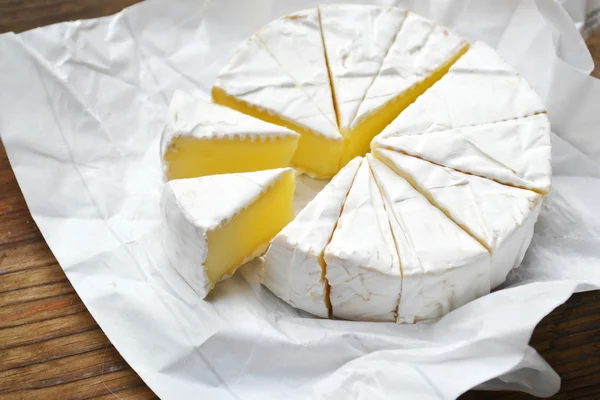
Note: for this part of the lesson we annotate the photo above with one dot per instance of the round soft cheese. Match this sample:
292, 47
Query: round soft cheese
439, 154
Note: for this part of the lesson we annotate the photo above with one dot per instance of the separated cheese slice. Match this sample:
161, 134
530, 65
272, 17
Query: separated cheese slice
479, 88
500, 217
515, 152
421, 54
361, 260
254, 83
216, 223
357, 39
202, 138
443, 267
294, 268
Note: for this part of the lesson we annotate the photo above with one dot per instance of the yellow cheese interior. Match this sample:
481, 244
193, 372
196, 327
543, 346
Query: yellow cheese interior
315, 155
248, 234
189, 157
357, 142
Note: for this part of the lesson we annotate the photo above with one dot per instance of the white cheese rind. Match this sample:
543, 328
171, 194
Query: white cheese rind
479, 88
295, 42
491, 212
443, 267
292, 267
193, 207
357, 39
362, 263
419, 49
252, 75
203, 120
515, 152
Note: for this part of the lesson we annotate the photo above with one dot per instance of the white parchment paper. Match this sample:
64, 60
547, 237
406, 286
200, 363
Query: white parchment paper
82, 105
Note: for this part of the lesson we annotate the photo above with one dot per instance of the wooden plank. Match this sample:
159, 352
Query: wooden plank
141, 392
17, 227
20, 15
63, 370
65, 346
8, 182
4, 163
14, 204
40, 310
123, 384
48, 329
39, 291
55, 373
40, 276
25, 255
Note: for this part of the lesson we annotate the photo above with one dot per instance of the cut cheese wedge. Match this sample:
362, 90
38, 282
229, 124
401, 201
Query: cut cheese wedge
420, 55
500, 217
362, 264
214, 224
515, 152
202, 138
443, 267
254, 83
479, 88
293, 267
357, 39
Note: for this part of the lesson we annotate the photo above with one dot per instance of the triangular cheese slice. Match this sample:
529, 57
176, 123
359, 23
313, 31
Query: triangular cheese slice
203, 138
443, 267
294, 268
500, 217
216, 223
516, 152
254, 83
362, 263
479, 88
421, 54
357, 39
296, 43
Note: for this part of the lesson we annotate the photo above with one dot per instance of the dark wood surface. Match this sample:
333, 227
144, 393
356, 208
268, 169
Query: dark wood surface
51, 347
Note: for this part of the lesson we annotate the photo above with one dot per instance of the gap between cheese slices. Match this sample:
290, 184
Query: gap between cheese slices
294, 267
442, 266
422, 52
516, 152
362, 264
202, 138
356, 40
256, 82
500, 217
216, 223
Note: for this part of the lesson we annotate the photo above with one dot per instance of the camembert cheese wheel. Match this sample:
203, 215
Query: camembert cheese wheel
439, 154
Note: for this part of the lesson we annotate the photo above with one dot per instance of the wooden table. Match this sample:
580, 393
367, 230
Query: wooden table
51, 348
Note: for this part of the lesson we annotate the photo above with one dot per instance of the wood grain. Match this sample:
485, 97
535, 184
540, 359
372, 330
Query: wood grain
51, 347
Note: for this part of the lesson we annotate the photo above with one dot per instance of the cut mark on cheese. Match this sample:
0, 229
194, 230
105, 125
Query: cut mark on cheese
247, 235
513, 153
387, 52
409, 178
322, 256
369, 127
445, 166
333, 98
188, 157
316, 155
390, 211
